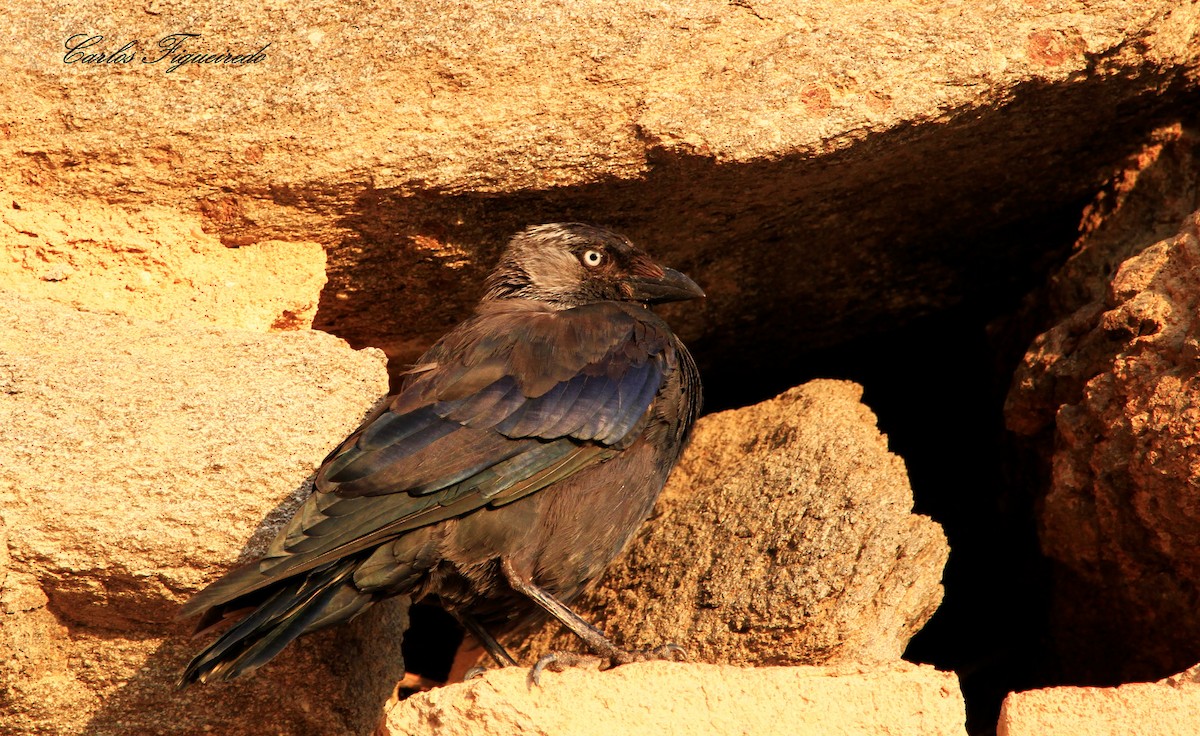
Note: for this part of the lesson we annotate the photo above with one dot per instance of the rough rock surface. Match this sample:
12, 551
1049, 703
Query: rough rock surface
793, 158
669, 699
136, 460
1111, 394
1151, 193
785, 536
1170, 707
154, 264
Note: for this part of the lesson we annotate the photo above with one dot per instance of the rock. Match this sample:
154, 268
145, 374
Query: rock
137, 459
1166, 708
153, 264
671, 698
785, 536
1110, 397
793, 158
1151, 193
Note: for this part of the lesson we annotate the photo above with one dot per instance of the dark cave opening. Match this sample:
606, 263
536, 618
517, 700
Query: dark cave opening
937, 385
941, 411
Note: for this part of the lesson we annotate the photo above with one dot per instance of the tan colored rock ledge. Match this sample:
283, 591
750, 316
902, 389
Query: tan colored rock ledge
156, 263
1167, 708
665, 698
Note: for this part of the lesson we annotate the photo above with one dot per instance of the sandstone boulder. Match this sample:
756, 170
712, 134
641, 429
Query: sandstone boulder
152, 263
139, 460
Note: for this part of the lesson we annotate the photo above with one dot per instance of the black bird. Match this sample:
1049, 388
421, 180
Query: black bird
518, 459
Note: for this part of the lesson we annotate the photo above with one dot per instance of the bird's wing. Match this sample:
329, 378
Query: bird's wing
508, 403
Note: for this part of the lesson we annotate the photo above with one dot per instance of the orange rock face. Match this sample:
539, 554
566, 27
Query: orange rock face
1117, 385
793, 158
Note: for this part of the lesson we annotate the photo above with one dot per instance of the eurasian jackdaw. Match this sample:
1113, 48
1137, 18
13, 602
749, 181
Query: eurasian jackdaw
516, 462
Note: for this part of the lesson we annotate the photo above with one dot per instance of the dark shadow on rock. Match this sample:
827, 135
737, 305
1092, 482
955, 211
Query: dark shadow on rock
798, 253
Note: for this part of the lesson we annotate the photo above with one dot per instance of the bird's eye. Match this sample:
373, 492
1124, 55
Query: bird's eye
592, 258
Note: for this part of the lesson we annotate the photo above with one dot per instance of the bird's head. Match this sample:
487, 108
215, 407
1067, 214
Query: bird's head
570, 264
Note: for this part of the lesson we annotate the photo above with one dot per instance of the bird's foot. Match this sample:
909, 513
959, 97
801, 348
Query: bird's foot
560, 661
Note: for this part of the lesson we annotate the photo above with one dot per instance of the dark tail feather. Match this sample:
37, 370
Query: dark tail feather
321, 597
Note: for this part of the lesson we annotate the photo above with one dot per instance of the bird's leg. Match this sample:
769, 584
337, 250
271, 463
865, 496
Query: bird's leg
493, 647
593, 637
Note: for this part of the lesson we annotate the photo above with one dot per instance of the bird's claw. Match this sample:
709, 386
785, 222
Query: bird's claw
670, 652
560, 661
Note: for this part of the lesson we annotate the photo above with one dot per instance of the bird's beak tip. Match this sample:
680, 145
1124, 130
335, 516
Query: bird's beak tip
672, 286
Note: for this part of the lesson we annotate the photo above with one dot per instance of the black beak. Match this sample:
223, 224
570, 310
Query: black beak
672, 286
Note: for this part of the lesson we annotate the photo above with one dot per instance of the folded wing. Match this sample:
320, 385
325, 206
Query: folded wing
511, 402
